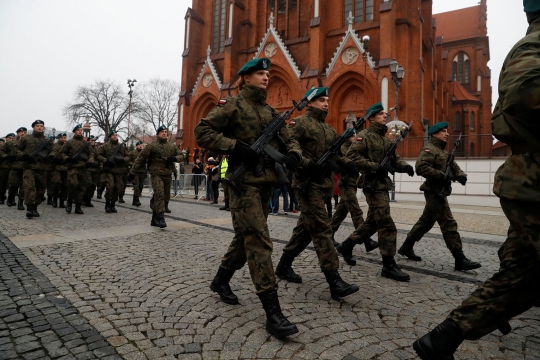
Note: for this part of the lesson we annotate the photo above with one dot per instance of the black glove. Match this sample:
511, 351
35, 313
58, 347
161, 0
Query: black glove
450, 177
171, 159
119, 161
409, 170
382, 172
28, 158
315, 170
246, 155
292, 161
109, 163
461, 179
349, 168
88, 164
130, 177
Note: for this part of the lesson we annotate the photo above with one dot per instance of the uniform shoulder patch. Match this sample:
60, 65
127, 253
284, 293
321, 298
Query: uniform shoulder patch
222, 102
359, 139
292, 123
427, 150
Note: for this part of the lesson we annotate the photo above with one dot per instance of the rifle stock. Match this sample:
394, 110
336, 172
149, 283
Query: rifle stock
449, 163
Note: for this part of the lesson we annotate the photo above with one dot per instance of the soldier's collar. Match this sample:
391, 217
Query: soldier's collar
380, 129
317, 113
438, 143
254, 94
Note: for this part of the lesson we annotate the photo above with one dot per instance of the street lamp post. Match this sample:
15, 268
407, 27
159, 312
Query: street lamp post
130, 84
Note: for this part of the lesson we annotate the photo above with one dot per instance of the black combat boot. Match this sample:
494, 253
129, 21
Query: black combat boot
55, 202
345, 249
121, 199
11, 200
161, 220
108, 206
276, 323
167, 210
69, 205
154, 221
136, 201
34, 211
49, 200
407, 250
285, 271
88, 201
99, 193
2, 200
441, 343
370, 245
29, 212
392, 271
20, 205
220, 285
78, 209
112, 206
62, 205
338, 287
225, 207
462, 263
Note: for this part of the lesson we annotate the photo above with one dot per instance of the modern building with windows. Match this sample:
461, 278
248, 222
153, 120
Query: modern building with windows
322, 43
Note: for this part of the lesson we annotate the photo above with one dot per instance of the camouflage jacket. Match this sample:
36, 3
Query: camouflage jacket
432, 163
71, 147
32, 142
155, 155
9, 149
59, 164
519, 96
348, 180
243, 118
314, 137
133, 156
4, 165
96, 165
107, 150
367, 152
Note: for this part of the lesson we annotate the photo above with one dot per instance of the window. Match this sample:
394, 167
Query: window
457, 124
361, 9
471, 125
281, 5
218, 32
461, 68
471, 151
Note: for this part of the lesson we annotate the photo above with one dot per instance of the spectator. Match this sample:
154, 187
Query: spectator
215, 181
208, 172
196, 181
280, 188
293, 204
337, 193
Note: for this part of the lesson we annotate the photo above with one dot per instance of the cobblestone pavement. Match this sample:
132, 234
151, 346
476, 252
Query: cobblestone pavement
145, 290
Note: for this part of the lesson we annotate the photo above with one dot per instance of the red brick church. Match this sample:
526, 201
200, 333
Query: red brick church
323, 43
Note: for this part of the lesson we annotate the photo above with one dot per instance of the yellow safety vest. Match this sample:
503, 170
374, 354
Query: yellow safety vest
223, 167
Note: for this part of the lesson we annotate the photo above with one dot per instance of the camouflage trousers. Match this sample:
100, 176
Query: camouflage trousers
124, 185
347, 204
162, 192
114, 185
77, 182
138, 183
91, 183
34, 184
515, 288
251, 242
225, 192
15, 183
313, 226
58, 186
4, 176
378, 220
437, 209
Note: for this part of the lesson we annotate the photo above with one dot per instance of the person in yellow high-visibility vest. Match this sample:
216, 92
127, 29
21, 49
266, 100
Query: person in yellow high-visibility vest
223, 166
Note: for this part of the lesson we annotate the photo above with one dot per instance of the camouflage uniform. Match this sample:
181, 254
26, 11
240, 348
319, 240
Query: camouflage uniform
4, 172
242, 118
314, 137
516, 286
349, 200
155, 155
59, 174
16, 171
113, 176
34, 174
77, 177
367, 151
93, 173
139, 176
431, 164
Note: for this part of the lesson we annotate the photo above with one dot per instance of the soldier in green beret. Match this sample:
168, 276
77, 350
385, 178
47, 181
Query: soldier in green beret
58, 188
4, 167
138, 178
515, 288
231, 128
93, 174
367, 152
15, 186
315, 136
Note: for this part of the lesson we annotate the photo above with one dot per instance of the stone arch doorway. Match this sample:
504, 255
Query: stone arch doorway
280, 92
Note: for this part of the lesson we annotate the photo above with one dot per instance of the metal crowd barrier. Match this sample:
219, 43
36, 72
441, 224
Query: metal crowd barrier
190, 185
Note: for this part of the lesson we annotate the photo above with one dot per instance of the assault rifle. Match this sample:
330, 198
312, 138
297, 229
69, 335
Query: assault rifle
39, 150
391, 152
80, 155
449, 163
262, 144
114, 156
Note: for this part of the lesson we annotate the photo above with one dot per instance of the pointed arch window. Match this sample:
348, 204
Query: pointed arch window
471, 121
218, 31
362, 10
281, 5
457, 123
461, 68
471, 150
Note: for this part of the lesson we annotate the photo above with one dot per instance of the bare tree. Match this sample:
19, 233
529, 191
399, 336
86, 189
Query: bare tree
105, 101
157, 104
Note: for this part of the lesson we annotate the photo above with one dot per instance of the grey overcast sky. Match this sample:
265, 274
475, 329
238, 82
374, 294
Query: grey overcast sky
49, 47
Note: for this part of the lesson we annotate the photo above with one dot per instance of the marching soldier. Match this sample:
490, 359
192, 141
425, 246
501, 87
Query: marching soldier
367, 151
124, 179
431, 164
78, 156
4, 167
314, 137
59, 173
34, 151
139, 176
50, 169
160, 155
515, 288
115, 158
235, 124
93, 174
15, 185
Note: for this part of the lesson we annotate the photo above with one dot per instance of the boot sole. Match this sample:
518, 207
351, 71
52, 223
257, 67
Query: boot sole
221, 297
410, 258
469, 268
420, 352
373, 248
389, 276
296, 281
352, 290
283, 334
351, 262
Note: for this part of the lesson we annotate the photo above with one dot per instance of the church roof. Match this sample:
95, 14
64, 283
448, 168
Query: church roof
459, 93
459, 24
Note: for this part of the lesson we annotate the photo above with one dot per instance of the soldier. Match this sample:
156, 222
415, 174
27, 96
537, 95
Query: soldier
431, 164
367, 151
78, 156
4, 167
139, 176
35, 166
235, 124
59, 173
50, 169
314, 137
93, 174
15, 187
160, 156
516, 286
349, 202
124, 180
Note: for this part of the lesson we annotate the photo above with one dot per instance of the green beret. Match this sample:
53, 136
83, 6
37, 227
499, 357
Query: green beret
531, 6
10, 134
374, 110
161, 128
21, 129
61, 135
77, 127
2, 140
38, 122
138, 143
322, 91
437, 127
113, 132
51, 137
254, 65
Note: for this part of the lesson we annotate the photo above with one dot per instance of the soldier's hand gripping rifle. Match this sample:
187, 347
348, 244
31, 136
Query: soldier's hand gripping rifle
81, 155
391, 153
262, 144
39, 151
449, 163
112, 159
